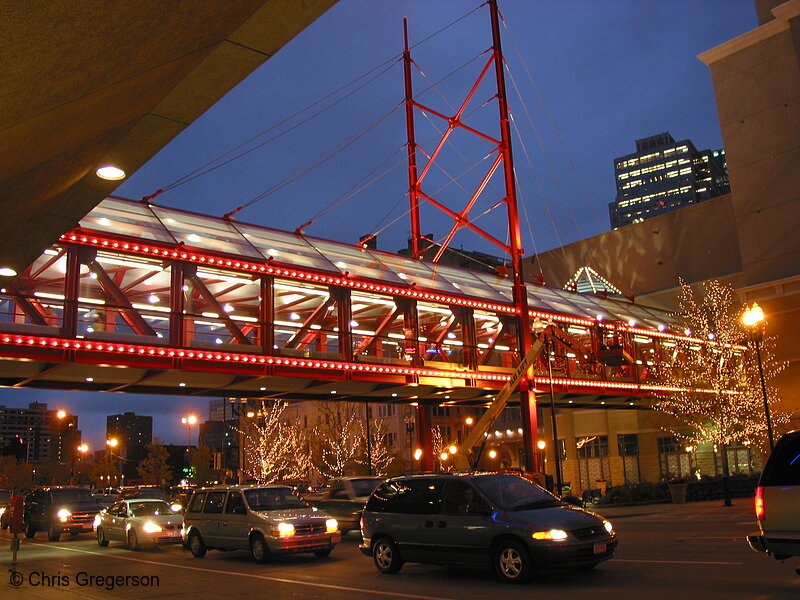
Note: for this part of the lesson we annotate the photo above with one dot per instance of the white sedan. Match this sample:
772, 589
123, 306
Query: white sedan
139, 522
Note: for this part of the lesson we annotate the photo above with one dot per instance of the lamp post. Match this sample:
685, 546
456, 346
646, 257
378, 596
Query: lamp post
82, 450
752, 319
189, 421
113, 443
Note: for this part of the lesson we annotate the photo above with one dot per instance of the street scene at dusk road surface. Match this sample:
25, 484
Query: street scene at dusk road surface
695, 550
401, 299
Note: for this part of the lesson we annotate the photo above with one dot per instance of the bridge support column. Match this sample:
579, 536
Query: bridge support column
530, 430
424, 438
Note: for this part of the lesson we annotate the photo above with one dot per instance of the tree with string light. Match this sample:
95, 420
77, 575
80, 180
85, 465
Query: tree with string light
339, 438
263, 436
718, 393
381, 455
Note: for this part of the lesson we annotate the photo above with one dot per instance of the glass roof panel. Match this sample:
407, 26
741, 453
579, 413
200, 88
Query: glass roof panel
501, 285
538, 295
356, 261
131, 219
416, 272
209, 233
468, 284
286, 249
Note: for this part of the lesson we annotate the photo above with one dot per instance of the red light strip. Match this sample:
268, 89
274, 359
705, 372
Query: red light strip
254, 359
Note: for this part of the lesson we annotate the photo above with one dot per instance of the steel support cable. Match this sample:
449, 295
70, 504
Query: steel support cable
553, 126
538, 184
357, 188
208, 168
547, 157
315, 163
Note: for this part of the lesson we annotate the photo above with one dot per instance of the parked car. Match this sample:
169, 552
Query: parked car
777, 501
59, 509
487, 519
344, 498
105, 500
266, 520
144, 491
139, 522
5, 498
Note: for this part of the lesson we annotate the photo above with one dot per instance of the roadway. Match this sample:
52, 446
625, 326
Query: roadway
694, 551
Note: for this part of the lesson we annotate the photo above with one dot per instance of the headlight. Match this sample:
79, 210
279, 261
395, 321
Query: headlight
285, 529
553, 534
331, 525
609, 527
63, 515
151, 527
2, 510
97, 521
175, 507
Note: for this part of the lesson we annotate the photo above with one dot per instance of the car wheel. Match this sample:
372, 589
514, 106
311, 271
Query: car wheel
54, 533
259, 550
322, 553
133, 540
385, 556
102, 540
512, 562
29, 530
196, 545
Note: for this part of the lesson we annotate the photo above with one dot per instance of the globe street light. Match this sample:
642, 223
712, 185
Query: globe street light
753, 319
189, 421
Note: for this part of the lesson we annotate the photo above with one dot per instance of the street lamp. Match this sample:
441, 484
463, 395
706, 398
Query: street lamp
752, 319
189, 421
82, 449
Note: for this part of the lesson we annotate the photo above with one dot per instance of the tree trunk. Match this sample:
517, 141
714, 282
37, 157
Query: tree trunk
726, 489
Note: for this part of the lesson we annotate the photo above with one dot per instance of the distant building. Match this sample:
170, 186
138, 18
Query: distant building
664, 175
38, 434
133, 432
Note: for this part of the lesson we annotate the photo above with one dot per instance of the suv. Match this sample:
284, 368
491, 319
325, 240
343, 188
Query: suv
267, 520
59, 509
487, 519
777, 501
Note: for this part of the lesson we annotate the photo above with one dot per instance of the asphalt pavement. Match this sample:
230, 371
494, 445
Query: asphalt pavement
667, 551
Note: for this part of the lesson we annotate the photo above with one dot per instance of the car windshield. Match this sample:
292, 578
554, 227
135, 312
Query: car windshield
75, 496
365, 486
145, 493
273, 499
149, 509
510, 492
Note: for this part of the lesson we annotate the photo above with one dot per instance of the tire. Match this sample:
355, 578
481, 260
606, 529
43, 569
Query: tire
512, 562
259, 550
133, 540
29, 529
386, 556
322, 553
102, 540
196, 545
54, 533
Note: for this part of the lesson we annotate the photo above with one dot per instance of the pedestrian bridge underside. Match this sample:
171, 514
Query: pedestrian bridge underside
144, 299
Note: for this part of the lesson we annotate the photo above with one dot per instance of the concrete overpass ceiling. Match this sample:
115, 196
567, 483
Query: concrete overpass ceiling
87, 83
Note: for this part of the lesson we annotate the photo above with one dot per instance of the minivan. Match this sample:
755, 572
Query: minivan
777, 501
480, 519
264, 519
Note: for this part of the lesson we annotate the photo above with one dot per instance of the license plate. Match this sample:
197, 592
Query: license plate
600, 548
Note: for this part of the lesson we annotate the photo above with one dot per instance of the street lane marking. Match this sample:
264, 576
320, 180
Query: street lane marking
248, 575
675, 562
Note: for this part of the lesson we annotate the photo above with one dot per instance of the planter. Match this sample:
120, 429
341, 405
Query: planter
678, 492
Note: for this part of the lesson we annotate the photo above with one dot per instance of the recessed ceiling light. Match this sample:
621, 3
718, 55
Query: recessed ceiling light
110, 172
7, 272
90, 379
182, 384
262, 389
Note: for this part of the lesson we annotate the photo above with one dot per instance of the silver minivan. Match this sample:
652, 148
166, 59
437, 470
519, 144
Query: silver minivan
264, 519
777, 501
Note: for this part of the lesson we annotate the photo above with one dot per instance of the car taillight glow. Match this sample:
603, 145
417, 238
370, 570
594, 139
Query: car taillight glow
759, 503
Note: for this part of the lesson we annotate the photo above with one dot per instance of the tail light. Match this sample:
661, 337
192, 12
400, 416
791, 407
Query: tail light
759, 503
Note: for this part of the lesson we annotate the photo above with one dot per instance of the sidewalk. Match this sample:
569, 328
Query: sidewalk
741, 507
